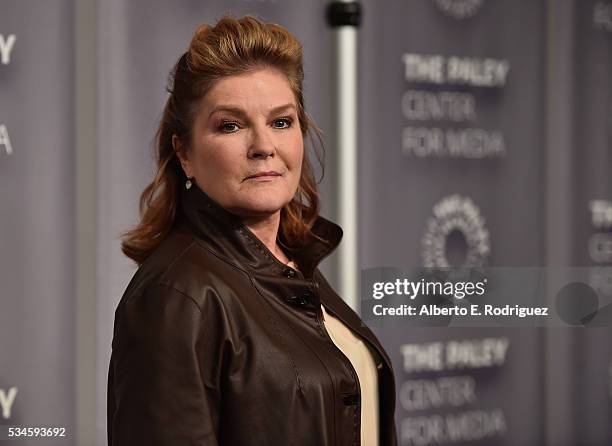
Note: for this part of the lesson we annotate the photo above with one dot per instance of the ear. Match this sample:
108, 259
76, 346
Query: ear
181, 154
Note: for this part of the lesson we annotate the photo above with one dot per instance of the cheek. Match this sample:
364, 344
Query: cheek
217, 162
297, 152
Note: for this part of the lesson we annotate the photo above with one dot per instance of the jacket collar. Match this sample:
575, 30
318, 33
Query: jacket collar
225, 234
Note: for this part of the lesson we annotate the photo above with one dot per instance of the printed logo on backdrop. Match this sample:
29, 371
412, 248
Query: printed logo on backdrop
456, 133
602, 16
610, 380
441, 392
456, 235
7, 43
459, 9
7, 398
600, 246
5, 140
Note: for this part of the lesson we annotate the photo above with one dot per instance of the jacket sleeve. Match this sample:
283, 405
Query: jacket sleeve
165, 380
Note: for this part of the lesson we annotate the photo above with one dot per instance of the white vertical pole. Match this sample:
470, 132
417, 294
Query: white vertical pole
346, 170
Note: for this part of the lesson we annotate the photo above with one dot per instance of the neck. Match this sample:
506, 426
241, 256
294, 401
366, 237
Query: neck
266, 230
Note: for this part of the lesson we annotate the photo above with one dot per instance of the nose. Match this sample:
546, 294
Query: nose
262, 144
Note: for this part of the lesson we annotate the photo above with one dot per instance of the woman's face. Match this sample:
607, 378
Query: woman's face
247, 146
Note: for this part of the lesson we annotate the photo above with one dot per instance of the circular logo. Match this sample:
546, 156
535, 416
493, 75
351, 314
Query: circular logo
459, 9
600, 247
455, 235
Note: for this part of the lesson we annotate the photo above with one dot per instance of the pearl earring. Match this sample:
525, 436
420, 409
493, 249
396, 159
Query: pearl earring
188, 184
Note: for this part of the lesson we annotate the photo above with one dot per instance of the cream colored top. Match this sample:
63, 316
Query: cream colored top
363, 363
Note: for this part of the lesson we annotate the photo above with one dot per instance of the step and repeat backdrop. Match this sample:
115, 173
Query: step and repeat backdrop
453, 108
453, 155
453, 137
591, 205
36, 215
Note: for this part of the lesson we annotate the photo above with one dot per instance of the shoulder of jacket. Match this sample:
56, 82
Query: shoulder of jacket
185, 266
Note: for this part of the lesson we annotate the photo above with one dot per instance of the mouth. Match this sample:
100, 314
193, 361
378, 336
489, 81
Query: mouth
264, 175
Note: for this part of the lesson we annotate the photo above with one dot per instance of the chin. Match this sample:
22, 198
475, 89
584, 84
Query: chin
255, 206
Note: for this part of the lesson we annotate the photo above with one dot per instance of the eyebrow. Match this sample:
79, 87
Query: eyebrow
239, 111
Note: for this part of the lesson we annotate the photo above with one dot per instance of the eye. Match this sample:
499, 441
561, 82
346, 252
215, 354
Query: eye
228, 127
282, 123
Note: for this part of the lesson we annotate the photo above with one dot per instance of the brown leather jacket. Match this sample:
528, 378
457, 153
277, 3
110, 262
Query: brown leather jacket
216, 342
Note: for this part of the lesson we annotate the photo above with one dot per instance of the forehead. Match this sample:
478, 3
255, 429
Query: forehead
262, 88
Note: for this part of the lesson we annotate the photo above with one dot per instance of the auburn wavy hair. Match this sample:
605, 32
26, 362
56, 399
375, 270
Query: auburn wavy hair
232, 46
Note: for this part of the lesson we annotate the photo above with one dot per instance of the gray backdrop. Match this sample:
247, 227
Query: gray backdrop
457, 150
473, 147
592, 209
36, 223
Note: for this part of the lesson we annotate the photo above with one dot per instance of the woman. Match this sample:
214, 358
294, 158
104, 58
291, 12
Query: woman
228, 334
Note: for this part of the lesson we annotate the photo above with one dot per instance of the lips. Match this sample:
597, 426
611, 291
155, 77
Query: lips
270, 173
